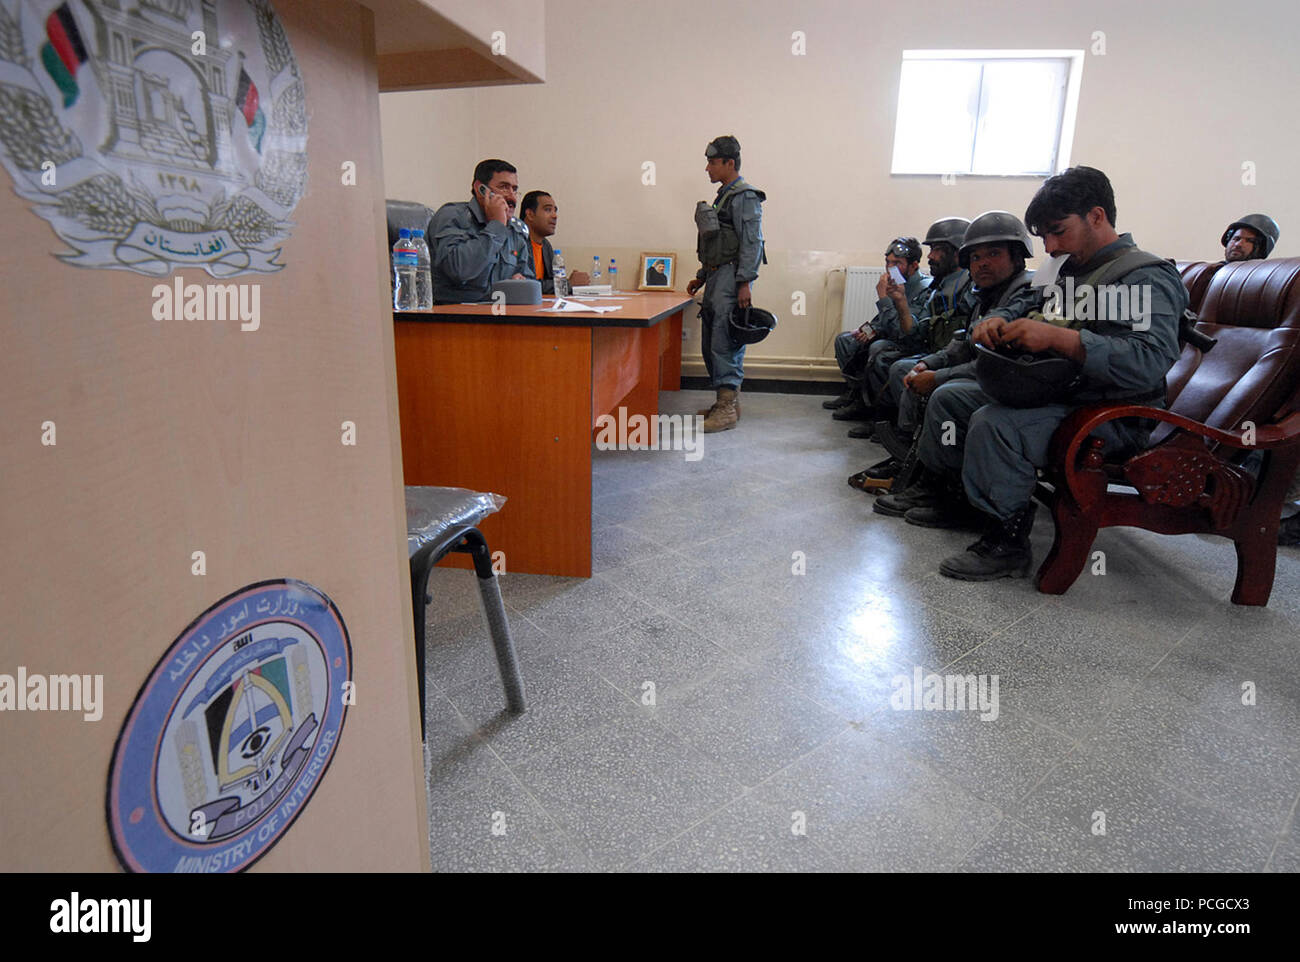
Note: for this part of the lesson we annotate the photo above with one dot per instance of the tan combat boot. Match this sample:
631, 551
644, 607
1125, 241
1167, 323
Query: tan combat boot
705, 412
725, 412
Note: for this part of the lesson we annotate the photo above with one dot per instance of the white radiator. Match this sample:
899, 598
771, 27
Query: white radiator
859, 296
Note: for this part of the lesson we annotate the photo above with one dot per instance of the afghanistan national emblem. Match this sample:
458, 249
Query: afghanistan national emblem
232, 732
155, 134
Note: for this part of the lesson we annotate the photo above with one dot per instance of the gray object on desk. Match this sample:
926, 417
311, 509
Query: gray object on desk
520, 291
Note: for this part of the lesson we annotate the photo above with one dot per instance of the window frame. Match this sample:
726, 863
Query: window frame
1069, 113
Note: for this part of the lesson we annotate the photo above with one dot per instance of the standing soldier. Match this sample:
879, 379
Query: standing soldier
730, 248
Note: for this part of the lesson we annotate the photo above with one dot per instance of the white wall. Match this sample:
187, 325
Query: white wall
1185, 93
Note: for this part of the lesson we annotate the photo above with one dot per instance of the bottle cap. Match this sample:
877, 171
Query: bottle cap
403, 232
417, 233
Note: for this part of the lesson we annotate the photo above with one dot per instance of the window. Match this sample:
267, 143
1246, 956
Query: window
990, 112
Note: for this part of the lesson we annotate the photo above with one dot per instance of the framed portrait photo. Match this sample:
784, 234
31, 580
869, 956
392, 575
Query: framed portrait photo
658, 272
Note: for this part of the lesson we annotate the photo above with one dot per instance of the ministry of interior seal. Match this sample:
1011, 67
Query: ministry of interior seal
231, 733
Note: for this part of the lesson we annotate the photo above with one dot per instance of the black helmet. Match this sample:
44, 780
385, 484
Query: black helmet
947, 230
1025, 380
1263, 225
724, 146
749, 325
991, 227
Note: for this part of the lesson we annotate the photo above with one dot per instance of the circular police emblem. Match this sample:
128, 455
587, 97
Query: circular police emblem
232, 732
157, 134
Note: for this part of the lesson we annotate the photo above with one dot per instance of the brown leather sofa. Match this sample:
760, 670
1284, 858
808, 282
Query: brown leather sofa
1241, 396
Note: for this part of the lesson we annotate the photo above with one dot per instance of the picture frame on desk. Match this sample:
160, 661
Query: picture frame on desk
658, 271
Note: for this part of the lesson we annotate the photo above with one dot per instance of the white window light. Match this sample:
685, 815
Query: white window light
989, 112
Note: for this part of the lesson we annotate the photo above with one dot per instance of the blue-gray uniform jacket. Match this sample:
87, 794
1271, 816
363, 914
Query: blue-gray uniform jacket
940, 297
1121, 361
957, 359
470, 252
887, 323
747, 218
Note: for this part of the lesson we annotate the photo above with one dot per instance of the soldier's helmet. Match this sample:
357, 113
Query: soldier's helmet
991, 227
724, 146
1021, 380
1265, 226
749, 325
947, 230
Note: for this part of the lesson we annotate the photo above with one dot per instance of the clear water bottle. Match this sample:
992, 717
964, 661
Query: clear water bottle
406, 262
559, 275
613, 274
423, 272
595, 270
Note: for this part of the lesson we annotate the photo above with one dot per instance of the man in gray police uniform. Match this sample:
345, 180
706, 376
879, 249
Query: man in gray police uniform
1250, 238
731, 249
1119, 359
993, 250
1253, 237
478, 242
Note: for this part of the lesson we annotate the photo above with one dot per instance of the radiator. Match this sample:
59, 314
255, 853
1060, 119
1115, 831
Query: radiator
859, 296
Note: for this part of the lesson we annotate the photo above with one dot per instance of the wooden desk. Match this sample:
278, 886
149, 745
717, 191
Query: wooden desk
508, 403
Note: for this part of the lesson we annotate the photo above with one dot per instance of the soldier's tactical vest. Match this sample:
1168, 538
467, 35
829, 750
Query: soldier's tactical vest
718, 241
963, 316
951, 319
1108, 273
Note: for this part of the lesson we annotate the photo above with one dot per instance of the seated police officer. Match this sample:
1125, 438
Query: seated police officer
993, 250
864, 355
478, 242
941, 315
1250, 238
1004, 421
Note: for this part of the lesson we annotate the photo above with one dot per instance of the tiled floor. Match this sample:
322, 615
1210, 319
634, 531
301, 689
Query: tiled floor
718, 696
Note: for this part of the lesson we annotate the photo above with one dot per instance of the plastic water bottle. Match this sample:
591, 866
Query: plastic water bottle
613, 274
595, 270
423, 272
406, 261
558, 274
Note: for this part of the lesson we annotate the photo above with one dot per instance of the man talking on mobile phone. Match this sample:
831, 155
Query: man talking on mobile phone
478, 242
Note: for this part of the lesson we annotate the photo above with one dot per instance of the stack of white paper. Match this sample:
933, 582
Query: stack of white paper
562, 306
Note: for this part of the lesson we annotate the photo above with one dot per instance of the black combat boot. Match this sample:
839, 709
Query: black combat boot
856, 410
843, 400
925, 489
952, 510
1002, 553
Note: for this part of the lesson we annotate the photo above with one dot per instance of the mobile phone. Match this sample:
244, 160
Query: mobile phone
896, 274
483, 191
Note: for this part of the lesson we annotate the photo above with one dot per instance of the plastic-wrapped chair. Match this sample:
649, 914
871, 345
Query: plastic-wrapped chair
438, 522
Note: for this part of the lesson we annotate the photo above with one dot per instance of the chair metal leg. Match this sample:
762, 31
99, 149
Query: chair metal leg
494, 612
419, 595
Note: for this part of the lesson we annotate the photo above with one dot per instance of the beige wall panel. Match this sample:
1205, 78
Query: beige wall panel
1185, 93
177, 436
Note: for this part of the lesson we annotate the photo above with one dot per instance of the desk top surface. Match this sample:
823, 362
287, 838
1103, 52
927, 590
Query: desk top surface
644, 309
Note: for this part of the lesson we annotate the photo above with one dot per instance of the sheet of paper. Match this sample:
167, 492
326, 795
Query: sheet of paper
1046, 275
564, 306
